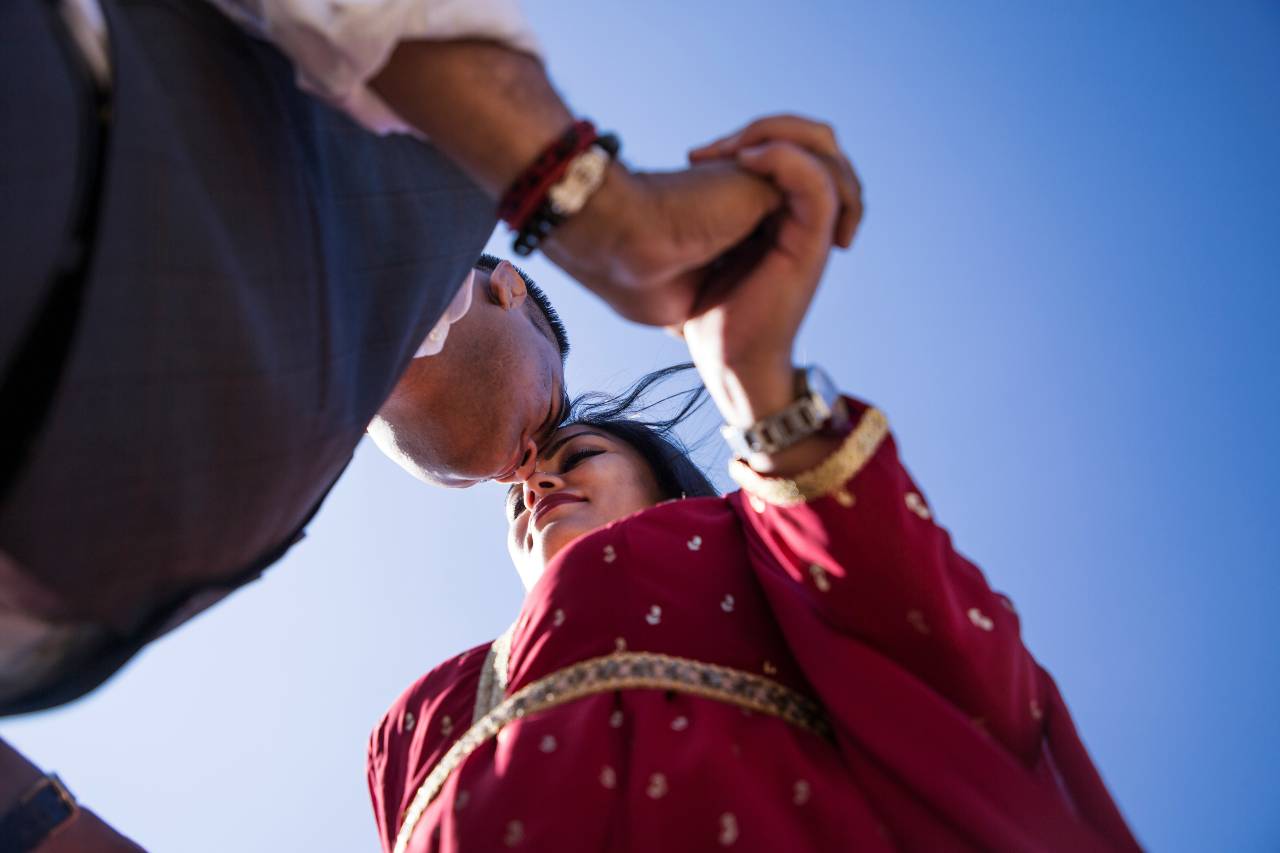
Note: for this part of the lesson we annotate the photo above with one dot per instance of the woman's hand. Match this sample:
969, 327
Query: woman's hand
743, 346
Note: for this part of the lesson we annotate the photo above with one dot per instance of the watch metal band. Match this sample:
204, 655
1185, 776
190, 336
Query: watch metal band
817, 406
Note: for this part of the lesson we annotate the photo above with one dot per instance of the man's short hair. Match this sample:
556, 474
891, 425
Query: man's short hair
489, 263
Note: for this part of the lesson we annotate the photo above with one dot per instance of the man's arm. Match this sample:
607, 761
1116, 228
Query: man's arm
640, 240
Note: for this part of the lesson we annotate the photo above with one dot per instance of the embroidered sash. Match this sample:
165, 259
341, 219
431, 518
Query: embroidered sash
617, 671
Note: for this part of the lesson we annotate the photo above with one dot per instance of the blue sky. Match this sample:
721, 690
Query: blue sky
1063, 295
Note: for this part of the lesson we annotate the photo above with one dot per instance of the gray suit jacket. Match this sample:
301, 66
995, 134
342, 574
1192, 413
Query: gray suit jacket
258, 272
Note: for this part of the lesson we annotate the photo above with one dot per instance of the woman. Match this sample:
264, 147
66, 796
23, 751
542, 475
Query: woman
803, 665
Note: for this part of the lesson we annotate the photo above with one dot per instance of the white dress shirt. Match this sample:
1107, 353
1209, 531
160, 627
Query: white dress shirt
337, 46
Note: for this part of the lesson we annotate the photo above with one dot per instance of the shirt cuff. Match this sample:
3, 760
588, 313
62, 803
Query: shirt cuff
337, 46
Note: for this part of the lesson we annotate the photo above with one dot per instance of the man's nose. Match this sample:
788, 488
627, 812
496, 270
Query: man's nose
528, 460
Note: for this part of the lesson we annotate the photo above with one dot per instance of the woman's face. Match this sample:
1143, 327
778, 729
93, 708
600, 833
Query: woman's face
584, 479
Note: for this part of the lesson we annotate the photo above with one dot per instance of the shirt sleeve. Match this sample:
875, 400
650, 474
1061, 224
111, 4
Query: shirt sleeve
861, 542
337, 46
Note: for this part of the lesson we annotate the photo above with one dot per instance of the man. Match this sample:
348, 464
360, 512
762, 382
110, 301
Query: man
213, 284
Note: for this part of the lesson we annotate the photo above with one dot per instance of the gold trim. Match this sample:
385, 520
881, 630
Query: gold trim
493, 675
617, 671
829, 475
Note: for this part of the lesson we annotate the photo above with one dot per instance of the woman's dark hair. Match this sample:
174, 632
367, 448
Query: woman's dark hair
631, 417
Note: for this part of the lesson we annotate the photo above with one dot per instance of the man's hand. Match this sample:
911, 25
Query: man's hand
645, 242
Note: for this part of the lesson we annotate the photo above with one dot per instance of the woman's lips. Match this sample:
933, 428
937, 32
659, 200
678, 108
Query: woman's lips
550, 502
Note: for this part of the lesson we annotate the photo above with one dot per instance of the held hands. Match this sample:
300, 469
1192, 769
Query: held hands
646, 242
743, 345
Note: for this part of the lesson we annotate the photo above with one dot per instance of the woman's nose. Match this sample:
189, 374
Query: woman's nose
538, 485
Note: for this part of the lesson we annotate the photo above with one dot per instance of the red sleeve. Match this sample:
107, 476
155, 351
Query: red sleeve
415, 732
859, 538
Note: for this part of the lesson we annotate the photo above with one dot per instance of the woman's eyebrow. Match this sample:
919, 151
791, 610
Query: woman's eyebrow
555, 446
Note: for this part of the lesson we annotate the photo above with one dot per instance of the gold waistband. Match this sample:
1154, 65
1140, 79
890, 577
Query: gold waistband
618, 671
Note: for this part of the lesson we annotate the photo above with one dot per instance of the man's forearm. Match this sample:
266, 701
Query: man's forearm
491, 109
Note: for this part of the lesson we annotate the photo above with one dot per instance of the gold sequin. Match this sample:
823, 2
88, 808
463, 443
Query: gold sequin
726, 603
758, 505
409, 721
695, 543
800, 792
770, 669
679, 724
446, 725
830, 474
1037, 713
916, 618
514, 834
980, 619
620, 644
548, 743
557, 618
728, 829
654, 616
844, 498
615, 720
609, 554
608, 777
657, 786
820, 578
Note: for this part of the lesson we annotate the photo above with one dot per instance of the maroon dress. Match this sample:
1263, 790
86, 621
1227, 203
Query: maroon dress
800, 666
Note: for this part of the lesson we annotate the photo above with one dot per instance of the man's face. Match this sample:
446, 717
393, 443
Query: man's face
478, 409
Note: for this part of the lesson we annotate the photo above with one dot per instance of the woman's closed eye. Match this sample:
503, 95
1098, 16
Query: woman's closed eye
576, 457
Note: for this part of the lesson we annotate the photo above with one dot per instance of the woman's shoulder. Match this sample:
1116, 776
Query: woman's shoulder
428, 712
458, 674
418, 726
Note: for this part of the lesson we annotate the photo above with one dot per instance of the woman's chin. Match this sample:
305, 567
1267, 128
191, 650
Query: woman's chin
557, 536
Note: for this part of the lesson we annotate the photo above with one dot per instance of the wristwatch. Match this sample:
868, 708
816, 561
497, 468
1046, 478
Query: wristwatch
817, 410
43, 810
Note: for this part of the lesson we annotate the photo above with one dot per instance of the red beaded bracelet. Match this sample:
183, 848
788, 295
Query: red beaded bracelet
527, 192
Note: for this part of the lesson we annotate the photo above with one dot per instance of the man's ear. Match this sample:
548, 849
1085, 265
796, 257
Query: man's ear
506, 287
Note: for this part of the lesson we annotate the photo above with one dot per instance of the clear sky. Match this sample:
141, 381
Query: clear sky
1064, 295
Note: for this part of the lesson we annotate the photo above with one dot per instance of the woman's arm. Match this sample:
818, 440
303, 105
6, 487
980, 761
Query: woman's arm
839, 513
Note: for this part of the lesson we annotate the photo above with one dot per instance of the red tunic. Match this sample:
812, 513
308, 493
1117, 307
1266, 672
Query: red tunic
947, 734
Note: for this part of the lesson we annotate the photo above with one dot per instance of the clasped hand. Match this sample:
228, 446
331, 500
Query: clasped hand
743, 344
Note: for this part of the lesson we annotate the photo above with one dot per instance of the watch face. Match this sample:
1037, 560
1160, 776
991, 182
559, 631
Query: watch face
820, 383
